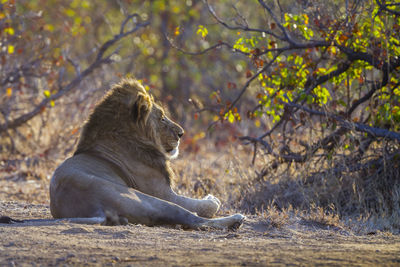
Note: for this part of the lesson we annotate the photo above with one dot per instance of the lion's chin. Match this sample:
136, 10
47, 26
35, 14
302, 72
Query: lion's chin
173, 154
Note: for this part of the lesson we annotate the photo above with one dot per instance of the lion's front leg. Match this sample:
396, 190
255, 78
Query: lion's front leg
160, 188
206, 207
209, 207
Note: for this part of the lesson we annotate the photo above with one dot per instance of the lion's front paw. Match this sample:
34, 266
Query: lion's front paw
211, 197
209, 206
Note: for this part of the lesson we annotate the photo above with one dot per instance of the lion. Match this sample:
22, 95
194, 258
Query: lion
120, 172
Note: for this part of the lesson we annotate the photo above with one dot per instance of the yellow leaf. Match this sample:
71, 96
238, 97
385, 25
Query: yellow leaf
202, 31
9, 92
332, 50
49, 27
10, 49
177, 31
176, 9
305, 17
9, 30
257, 123
52, 103
70, 12
287, 16
85, 4
231, 118
205, 32
47, 93
87, 20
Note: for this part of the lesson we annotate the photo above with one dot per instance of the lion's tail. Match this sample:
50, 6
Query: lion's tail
92, 220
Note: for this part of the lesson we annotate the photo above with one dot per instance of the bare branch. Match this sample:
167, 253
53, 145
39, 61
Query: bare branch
121, 35
289, 157
271, 130
134, 17
385, 7
246, 85
373, 131
75, 65
285, 33
99, 61
366, 97
215, 46
240, 27
15, 74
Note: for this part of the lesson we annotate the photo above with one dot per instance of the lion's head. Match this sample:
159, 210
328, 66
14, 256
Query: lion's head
128, 118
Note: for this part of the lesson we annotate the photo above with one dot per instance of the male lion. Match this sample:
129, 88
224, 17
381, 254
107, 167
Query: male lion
121, 171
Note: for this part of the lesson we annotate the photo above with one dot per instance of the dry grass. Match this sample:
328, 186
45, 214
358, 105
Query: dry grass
322, 218
284, 194
226, 174
365, 200
275, 218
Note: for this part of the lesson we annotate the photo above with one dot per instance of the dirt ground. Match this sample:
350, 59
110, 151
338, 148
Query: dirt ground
256, 243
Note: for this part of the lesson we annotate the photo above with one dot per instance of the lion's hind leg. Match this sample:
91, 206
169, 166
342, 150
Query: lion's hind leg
110, 203
113, 218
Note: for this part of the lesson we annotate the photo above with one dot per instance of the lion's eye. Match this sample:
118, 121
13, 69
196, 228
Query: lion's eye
162, 118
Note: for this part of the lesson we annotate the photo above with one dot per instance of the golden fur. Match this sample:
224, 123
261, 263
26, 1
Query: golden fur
121, 171
141, 136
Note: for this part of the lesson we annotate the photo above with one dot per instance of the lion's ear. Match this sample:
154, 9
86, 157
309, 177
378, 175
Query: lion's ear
141, 108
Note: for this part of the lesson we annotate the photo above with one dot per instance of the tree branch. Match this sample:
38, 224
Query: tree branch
285, 33
215, 46
385, 7
373, 131
99, 61
241, 27
246, 85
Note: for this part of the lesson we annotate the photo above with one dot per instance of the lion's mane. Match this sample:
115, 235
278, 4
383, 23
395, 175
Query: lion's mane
110, 127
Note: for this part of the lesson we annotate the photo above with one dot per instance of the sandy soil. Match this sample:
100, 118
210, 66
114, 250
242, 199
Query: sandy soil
255, 243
